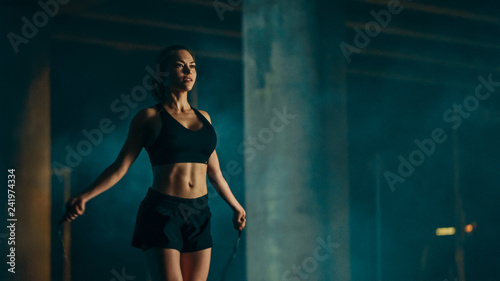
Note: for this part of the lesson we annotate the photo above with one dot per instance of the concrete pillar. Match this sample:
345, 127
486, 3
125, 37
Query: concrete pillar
296, 160
26, 140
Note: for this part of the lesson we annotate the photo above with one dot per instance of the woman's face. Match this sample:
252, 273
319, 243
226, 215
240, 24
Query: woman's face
182, 69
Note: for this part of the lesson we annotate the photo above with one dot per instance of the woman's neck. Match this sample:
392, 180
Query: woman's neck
178, 101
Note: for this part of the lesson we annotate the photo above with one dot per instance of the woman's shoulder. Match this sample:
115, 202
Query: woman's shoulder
148, 116
206, 115
148, 112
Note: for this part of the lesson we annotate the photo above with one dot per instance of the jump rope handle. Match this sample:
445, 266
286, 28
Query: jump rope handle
236, 245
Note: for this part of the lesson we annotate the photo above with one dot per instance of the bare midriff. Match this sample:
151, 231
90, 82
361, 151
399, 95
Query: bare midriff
185, 180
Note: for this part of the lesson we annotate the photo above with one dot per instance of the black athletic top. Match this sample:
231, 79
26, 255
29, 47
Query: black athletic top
176, 143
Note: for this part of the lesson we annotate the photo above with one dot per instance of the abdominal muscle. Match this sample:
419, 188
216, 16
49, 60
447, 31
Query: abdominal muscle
185, 180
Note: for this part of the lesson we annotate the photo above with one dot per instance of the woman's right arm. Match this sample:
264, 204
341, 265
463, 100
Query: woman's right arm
140, 132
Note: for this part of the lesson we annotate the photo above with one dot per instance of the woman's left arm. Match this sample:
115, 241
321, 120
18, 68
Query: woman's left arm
220, 184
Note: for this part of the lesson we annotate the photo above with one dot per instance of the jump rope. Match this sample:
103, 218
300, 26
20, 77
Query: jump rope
224, 271
232, 257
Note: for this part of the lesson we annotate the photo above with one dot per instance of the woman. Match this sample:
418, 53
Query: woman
173, 221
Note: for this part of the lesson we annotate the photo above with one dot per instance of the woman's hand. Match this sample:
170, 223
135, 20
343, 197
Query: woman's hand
239, 219
74, 207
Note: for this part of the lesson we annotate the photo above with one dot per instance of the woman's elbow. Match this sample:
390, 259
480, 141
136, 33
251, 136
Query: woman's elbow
214, 177
120, 168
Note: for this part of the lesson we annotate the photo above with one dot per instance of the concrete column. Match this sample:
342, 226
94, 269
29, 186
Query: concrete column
296, 141
25, 143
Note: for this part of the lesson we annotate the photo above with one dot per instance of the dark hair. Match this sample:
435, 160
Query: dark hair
158, 89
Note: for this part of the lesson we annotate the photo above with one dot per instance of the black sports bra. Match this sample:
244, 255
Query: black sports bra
176, 143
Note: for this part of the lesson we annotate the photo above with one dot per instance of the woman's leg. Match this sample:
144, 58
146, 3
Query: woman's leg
164, 264
195, 265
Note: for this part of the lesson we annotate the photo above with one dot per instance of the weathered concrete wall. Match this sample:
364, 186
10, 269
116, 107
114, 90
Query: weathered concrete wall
296, 141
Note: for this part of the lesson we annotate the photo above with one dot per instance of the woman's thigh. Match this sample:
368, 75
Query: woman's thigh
164, 264
195, 265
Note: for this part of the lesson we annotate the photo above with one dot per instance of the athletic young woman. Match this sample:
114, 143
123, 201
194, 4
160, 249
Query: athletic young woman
173, 220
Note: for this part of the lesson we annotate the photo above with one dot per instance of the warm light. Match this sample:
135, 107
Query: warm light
469, 228
442, 231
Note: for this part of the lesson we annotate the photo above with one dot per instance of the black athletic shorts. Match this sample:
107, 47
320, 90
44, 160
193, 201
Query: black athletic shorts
172, 222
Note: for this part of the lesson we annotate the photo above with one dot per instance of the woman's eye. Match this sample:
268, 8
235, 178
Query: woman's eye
193, 66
